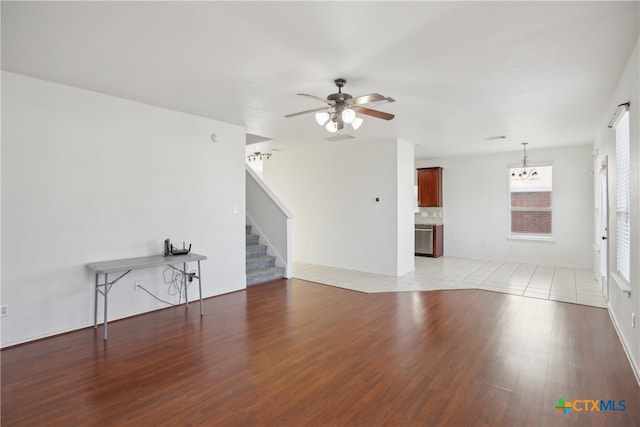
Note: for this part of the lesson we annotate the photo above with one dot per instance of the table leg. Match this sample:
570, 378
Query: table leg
106, 292
200, 288
184, 282
95, 305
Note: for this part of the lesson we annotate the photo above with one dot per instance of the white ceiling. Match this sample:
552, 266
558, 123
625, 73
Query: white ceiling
460, 72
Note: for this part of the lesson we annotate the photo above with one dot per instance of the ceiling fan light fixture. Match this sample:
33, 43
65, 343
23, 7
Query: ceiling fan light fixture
344, 108
322, 117
348, 115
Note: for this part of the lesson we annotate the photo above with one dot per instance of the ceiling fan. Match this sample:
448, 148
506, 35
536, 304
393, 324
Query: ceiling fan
342, 108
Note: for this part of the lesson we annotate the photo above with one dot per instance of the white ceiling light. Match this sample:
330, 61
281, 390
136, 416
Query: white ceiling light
332, 126
348, 115
356, 123
333, 121
322, 117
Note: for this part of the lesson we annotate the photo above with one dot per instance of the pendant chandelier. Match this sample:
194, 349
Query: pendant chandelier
524, 172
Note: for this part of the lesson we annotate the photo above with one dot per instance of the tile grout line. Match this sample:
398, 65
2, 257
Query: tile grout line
494, 270
458, 269
533, 273
553, 276
512, 274
468, 275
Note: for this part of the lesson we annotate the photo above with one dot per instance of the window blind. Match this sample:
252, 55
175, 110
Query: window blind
623, 181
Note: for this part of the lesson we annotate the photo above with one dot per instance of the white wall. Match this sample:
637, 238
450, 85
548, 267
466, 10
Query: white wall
621, 304
406, 205
331, 189
88, 177
476, 207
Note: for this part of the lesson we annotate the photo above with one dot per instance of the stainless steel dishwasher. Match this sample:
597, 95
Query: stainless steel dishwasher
424, 239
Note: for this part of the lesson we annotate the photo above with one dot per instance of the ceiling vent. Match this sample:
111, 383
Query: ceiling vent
339, 137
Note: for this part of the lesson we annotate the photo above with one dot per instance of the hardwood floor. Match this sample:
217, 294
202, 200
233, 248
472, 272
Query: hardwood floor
296, 353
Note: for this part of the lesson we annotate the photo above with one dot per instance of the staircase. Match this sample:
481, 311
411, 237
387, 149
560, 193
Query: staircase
260, 266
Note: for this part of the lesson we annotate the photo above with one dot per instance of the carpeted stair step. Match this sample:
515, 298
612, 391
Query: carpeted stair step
260, 262
260, 267
264, 275
256, 250
252, 239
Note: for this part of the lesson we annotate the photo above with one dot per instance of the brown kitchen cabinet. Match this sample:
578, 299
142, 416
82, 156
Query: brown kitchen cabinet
438, 240
430, 187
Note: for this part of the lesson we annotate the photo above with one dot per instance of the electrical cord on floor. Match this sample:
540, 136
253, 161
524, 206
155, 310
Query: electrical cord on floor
161, 300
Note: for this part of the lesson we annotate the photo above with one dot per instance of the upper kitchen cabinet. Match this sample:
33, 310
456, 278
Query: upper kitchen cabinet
430, 187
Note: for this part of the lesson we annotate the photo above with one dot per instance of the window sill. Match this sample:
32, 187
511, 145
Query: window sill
622, 283
531, 238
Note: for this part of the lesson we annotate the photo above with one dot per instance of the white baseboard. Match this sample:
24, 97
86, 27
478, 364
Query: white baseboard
634, 366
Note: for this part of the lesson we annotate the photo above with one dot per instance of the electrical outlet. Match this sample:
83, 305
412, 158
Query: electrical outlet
4, 310
137, 284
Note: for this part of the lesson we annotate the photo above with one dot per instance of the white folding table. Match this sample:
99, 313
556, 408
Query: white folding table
177, 262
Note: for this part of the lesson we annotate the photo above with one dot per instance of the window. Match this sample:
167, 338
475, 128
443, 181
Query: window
623, 183
530, 204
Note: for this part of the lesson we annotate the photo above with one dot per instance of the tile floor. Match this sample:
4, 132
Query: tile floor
578, 286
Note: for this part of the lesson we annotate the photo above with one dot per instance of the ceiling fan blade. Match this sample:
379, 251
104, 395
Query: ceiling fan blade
374, 113
366, 99
317, 98
315, 110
